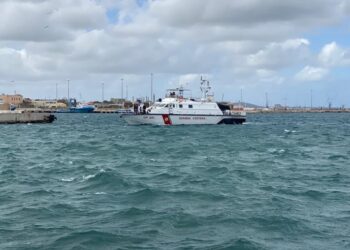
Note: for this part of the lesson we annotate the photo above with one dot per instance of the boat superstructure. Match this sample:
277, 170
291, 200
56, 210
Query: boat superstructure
82, 108
74, 107
175, 109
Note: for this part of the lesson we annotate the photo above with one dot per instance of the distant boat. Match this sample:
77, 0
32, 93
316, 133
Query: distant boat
82, 109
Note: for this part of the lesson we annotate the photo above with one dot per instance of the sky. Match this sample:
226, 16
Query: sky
291, 51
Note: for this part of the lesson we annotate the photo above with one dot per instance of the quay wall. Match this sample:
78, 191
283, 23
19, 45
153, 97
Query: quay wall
17, 117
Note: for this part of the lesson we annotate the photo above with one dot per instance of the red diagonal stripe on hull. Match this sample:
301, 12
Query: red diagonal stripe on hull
166, 120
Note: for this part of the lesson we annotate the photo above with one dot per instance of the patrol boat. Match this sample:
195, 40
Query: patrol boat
175, 109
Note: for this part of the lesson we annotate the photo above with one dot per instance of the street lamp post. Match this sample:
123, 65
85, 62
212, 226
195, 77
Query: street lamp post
122, 82
103, 92
311, 99
56, 92
68, 90
127, 91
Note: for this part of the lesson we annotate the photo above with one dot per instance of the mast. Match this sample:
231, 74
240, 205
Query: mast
241, 100
151, 86
205, 87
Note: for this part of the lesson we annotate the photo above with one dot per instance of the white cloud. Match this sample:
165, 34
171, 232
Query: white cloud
269, 76
185, 79
248, 12
12, 61
309, 73
48, 20
239, 42
279, 55
333, 55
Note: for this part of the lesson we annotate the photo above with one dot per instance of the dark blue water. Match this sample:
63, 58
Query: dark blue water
281, 181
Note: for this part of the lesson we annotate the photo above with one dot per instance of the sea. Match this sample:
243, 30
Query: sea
90, 181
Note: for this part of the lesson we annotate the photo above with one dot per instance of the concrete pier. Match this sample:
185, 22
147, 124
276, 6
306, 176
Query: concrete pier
13, 117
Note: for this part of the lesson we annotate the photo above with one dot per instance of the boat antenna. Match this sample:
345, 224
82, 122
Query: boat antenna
205, 87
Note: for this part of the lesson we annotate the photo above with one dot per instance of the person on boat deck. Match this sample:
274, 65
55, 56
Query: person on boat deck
144, 109
140, 108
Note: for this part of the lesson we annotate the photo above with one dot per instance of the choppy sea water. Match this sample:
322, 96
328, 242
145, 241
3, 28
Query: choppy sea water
281, 181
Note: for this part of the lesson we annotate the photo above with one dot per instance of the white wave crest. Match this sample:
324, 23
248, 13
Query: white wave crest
100, 193
68, 179
87, 177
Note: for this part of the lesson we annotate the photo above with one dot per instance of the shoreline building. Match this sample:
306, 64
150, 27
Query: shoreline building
48, 104
8, 101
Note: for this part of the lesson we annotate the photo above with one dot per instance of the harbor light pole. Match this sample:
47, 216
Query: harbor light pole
122, 82
127, 92
14, 87
241, 100
285, 102
68, 90
311, 99
56, 92
103, 92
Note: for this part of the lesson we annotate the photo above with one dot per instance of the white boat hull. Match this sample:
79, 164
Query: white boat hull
172, 119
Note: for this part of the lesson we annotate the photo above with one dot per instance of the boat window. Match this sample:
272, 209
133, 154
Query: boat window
180, 105
190, 106
167, 105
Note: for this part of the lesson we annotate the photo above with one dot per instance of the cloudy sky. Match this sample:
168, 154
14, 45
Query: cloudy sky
284, 48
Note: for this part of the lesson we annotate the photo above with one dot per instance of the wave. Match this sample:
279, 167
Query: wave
68, 179
95, 239
290, 131
314, 194
40, 192
148, 194
239, 244
338, 157
254, 186
217, 170
105, 181
282, 224
134, 211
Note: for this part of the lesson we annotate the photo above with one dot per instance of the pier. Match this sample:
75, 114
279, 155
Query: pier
299, 110
13, 117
